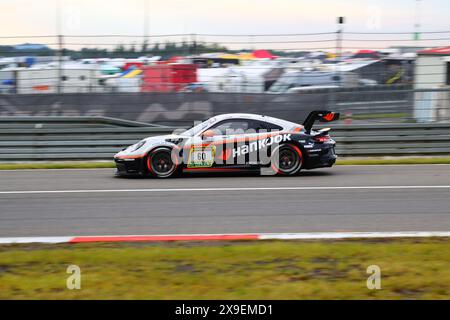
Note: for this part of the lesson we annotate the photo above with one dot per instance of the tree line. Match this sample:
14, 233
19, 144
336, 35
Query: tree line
165, 50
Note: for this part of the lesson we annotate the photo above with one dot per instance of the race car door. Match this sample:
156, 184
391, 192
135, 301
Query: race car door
232, 142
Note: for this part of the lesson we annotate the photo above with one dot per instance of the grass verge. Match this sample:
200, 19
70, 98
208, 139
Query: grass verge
107, 164
387, 161
57, 165
410, 269
380, 116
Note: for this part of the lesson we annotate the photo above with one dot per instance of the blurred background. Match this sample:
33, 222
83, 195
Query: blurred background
116, 71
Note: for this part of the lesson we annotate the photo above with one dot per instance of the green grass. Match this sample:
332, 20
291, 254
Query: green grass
387, 161
108, 164
379, 116
410, 269
57, 165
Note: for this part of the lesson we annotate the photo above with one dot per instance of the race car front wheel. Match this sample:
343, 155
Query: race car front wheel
287, 160
160, 163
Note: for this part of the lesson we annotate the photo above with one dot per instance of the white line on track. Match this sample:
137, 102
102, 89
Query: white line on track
350, 235
224, 189
374, 166
35, 240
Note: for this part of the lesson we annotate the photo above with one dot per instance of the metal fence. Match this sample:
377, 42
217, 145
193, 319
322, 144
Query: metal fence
397, 104
76, 63
100, 139
370, 105
392, 139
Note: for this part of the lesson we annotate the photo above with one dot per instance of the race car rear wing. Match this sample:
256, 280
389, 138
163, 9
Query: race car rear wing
322, 116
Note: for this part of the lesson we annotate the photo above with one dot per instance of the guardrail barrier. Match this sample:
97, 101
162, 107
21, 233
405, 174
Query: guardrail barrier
98, 138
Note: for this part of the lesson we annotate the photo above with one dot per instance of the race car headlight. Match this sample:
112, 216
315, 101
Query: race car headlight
138, 145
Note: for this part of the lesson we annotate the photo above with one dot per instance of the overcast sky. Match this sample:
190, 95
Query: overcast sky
32, 17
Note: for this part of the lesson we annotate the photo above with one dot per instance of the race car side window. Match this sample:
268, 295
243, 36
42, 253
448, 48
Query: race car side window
257, 126
232, 126
262, 126
270, 127
243, 126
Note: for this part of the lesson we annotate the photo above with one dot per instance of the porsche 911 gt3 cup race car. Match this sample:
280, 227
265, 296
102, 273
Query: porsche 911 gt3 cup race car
236, 142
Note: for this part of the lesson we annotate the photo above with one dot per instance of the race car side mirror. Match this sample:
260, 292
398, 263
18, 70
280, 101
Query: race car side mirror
208, 134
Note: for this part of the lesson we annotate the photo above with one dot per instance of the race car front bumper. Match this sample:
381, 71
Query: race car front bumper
130, 167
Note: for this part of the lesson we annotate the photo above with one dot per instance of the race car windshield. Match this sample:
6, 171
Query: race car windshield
195, 129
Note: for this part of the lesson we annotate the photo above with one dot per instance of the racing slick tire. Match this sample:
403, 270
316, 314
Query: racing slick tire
287, 160
161, 163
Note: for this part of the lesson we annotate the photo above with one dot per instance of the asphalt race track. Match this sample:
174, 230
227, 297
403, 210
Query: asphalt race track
344, 198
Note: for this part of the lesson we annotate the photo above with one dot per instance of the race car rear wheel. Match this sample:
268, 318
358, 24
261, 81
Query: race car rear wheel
287, 160
160, 163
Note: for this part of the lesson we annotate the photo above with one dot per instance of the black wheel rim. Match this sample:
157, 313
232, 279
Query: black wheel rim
289, 160
162, 164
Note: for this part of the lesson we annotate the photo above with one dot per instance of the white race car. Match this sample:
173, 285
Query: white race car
236, 142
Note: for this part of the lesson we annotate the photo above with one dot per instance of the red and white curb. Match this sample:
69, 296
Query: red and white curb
225, 237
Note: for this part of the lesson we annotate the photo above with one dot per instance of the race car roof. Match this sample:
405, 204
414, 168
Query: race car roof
283, 123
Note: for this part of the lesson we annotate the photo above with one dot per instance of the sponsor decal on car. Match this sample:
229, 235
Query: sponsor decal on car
260, 144
201, 157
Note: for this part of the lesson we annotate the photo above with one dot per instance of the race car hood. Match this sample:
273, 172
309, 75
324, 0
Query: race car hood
141, 148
